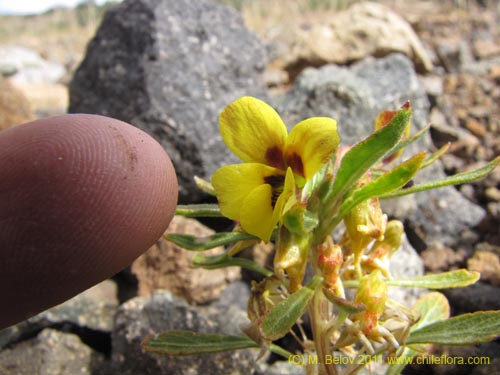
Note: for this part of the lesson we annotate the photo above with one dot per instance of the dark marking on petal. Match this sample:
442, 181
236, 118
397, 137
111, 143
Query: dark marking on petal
274, 157
295, 162
276, 182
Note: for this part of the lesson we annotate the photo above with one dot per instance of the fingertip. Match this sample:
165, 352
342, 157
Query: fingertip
83, 196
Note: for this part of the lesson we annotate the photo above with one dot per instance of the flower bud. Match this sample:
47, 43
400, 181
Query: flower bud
365, 223
372, 292
291, 257
330, 260
391, 241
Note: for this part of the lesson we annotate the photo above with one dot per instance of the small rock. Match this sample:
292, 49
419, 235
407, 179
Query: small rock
487, 264
167, 266
492, 193
51, 353
476, 128
28, 66
163, 311
15, 108
433, 84
439, 258
485, 48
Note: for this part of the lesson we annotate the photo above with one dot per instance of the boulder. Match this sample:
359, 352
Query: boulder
93, 310
169, 67
365, 29
354, 96
163, 311
52, 353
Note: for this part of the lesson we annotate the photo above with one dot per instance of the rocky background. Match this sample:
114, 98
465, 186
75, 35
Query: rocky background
169, 67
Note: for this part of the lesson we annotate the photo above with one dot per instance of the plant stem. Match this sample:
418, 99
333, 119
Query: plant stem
320, 312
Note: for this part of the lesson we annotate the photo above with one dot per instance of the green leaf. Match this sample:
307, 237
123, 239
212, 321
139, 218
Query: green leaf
286, 313
466, 329
459, 178
445, 280
188, 343
212, 263
436, 155
409, 141
190, 242
392, 180
204, 185
431, 307
198, 210
364, 154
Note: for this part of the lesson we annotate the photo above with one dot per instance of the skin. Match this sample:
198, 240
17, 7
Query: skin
81, 196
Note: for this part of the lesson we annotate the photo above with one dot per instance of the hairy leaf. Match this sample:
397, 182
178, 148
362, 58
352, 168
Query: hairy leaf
452, 279
198, 210
190, 242
286, 313
466, 329
187, 343
459, 178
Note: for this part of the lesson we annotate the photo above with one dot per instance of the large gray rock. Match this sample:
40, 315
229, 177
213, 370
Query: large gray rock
52, 353
93, 309
354, 96
162, 311
169, 67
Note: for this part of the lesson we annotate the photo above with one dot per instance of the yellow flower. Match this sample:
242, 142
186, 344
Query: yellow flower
259, 191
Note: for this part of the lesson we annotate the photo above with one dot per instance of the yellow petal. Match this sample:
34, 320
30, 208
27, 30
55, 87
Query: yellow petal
233, 183
257, 212
254, 132
310, 144
287, 198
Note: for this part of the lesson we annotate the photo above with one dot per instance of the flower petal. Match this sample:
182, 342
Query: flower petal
254, 132
310, 144
257, 212
287, 198
233, 183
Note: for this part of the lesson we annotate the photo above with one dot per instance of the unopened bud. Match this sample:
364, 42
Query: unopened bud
330, 260
372, 292
291, 257
365, 223
391, 241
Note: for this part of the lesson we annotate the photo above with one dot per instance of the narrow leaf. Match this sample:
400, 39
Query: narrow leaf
212, 263
188, 343
204, 185
459, 178
409, 141
364, 154
466, 329
286, 313
436, 155
198, 210
392, 180
445, 280
190, 242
